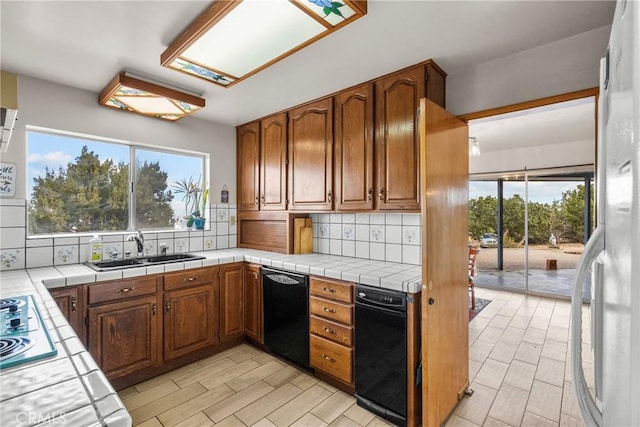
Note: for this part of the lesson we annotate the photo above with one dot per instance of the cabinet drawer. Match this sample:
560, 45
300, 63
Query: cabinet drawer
339, 291
331, 330
191, 277
331, 358
121, 289
331, 310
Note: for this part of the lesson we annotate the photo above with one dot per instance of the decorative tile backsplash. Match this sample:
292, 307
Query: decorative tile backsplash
16, 251
385, 237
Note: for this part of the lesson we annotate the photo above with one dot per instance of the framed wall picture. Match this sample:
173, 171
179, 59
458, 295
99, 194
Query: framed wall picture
7, 179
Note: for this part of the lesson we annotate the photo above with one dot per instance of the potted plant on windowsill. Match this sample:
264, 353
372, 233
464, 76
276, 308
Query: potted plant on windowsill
194, 196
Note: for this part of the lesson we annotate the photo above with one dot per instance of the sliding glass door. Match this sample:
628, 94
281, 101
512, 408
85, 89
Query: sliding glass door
531, 227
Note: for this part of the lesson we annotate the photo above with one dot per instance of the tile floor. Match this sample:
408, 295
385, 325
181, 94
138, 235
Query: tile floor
519, 370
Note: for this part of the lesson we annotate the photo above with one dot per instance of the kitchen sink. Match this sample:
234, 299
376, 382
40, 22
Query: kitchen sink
141, 262
171, 258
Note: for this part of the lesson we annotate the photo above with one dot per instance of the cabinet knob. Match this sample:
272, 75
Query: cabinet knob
329, 197
329, 310
333, 291
153, 308
167, 306
329, 331
73, 304
370, 194
256, 201
328, 358
262, 198
431, 301
381, 194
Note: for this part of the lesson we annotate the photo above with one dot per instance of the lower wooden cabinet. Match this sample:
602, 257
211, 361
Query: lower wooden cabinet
331, 313
231, 302
125, 336
189, 320
253, 313
69, 301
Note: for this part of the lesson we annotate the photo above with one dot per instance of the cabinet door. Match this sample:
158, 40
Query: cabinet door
398, 139
253, 303
248, 157
353, 145
189, 320
310, 156
273, 163
124, 336
231, 307
68, 300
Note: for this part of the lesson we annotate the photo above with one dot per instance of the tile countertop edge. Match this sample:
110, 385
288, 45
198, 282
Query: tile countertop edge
357, 270
82, 383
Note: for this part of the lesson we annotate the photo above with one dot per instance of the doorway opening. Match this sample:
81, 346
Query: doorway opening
531, 195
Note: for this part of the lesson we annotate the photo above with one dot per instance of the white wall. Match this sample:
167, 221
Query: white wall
46, 104
564, 66
539, 157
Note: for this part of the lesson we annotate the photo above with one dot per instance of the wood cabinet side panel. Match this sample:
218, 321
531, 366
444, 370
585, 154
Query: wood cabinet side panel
231, 301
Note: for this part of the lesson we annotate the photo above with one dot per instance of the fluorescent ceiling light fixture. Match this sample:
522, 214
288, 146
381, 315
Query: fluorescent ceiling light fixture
474, 147
129, 93
234, 39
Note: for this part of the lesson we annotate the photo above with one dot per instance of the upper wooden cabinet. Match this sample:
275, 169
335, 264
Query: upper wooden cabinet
398, 139
248, 158
353, 145
310, 156
273, 163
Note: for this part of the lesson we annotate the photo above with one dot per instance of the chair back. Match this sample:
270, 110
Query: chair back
473, 256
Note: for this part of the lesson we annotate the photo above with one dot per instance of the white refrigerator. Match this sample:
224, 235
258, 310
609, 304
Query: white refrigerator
612, 255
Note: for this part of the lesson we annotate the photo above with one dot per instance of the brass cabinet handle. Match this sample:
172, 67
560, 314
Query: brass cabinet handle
153, 308
370, 194
256, 201
329, 197
330, 359
329, 290
73, 304
329, 310
331, 331
262, 198
167, 306
190, 279
381, 193
125, 290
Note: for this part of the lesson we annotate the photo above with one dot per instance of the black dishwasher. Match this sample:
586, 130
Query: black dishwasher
381, 352
286, 314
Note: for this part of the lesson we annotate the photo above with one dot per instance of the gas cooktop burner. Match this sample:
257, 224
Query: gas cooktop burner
12, 346
8, 302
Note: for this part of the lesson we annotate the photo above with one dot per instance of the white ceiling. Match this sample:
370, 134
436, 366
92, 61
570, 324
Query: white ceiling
85, 43
569, 121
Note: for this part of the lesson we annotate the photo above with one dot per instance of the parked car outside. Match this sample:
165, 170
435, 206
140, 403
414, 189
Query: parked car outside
489, 240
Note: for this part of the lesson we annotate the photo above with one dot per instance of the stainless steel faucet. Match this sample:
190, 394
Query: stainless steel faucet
139, 239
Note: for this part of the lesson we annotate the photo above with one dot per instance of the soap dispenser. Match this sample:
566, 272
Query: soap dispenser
96, 248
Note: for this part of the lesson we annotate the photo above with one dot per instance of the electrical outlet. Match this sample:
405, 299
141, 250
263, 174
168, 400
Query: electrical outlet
232, 220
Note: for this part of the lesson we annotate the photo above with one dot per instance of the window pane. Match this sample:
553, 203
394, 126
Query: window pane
159, 200
76, 184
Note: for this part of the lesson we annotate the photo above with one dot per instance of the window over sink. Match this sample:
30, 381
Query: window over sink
87, 184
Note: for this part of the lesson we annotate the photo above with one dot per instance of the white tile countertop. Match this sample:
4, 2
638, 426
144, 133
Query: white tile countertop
390, 275
70, 389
